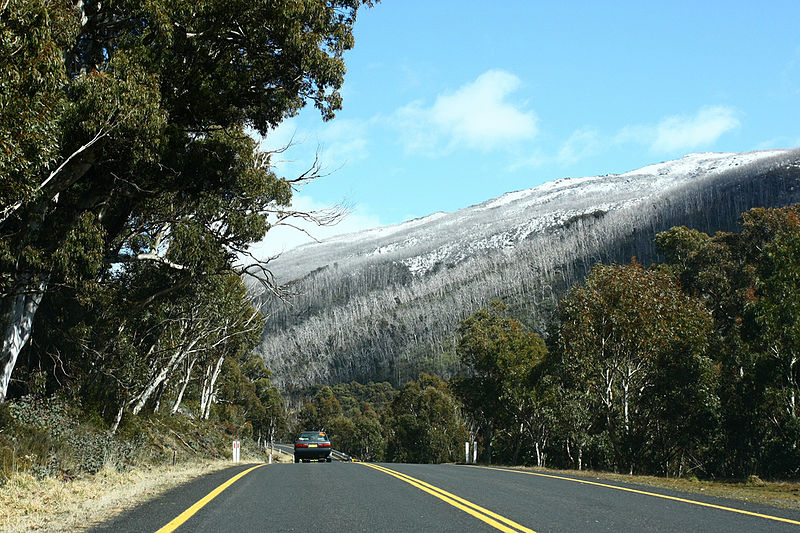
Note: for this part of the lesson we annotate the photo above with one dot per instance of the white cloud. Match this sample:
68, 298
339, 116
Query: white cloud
675, 134
690, 132
582, 143
343, 141
476, 116
285, 237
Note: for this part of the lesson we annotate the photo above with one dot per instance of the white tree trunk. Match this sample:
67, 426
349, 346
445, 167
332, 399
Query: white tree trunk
18, 322
160, 395
208, 395
162, 375
186, 379
118, 418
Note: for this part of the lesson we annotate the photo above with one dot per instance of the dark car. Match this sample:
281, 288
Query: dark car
312, 445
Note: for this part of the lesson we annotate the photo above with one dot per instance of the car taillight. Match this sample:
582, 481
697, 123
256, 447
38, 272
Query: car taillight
301, 445
324, 444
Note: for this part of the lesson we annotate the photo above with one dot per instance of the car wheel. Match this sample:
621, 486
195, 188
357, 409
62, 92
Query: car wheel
296, 459
327, 459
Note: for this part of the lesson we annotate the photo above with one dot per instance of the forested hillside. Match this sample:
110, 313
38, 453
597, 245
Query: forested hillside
686, 368
385, 304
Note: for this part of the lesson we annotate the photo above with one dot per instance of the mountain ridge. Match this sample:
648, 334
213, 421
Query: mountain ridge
385, 302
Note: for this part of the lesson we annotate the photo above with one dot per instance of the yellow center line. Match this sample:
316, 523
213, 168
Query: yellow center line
484, 515
645, 493
188, 513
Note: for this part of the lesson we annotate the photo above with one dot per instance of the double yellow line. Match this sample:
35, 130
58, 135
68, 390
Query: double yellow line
485, 515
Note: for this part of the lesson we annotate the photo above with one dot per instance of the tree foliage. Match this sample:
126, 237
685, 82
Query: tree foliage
685, 368
501, 358
749, 282
425, 423
617, 334
132, 189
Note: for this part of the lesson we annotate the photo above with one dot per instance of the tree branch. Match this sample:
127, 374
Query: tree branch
10, 210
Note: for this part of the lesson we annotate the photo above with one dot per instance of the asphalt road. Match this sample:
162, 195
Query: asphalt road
339, 496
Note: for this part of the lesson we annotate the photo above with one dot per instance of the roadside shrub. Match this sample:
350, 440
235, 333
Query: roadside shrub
46, 436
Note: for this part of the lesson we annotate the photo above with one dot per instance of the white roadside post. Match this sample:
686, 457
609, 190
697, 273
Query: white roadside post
236, 451
466, 448
474, 453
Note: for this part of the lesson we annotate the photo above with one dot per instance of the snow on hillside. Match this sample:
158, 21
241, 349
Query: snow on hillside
446, 238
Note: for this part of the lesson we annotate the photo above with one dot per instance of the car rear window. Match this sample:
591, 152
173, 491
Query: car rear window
313, 436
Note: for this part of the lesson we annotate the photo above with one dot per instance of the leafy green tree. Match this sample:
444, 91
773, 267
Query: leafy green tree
774, 315
716, 270
122, 127
326, 406
307, 418
341, 432
748, 281
369, 437
275, 424
356, 398
500, 357
615, 333
361, 437
426, 424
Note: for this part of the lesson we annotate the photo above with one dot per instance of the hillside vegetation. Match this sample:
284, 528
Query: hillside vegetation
385, 308
688, 368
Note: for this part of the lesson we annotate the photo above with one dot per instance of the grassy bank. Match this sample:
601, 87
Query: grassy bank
61, 469
31, 503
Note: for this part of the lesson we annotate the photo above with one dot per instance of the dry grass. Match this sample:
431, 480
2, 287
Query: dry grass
52, 504
784, 494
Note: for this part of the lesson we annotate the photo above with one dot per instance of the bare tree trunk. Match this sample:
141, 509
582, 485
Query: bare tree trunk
118, 418
18, 321
162, 376
185, 383
209, 383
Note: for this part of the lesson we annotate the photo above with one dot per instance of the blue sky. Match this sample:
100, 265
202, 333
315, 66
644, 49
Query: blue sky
448, 103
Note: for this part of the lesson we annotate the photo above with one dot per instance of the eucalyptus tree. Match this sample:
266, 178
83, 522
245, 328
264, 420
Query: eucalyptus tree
616, 335
122, 138
749, 281
424, 423
500, 388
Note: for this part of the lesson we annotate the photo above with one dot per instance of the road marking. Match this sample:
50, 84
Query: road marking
645, 493
484, 515
188, 513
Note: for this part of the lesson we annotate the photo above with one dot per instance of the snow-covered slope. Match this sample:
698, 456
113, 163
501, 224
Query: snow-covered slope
385, 303
501, 223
